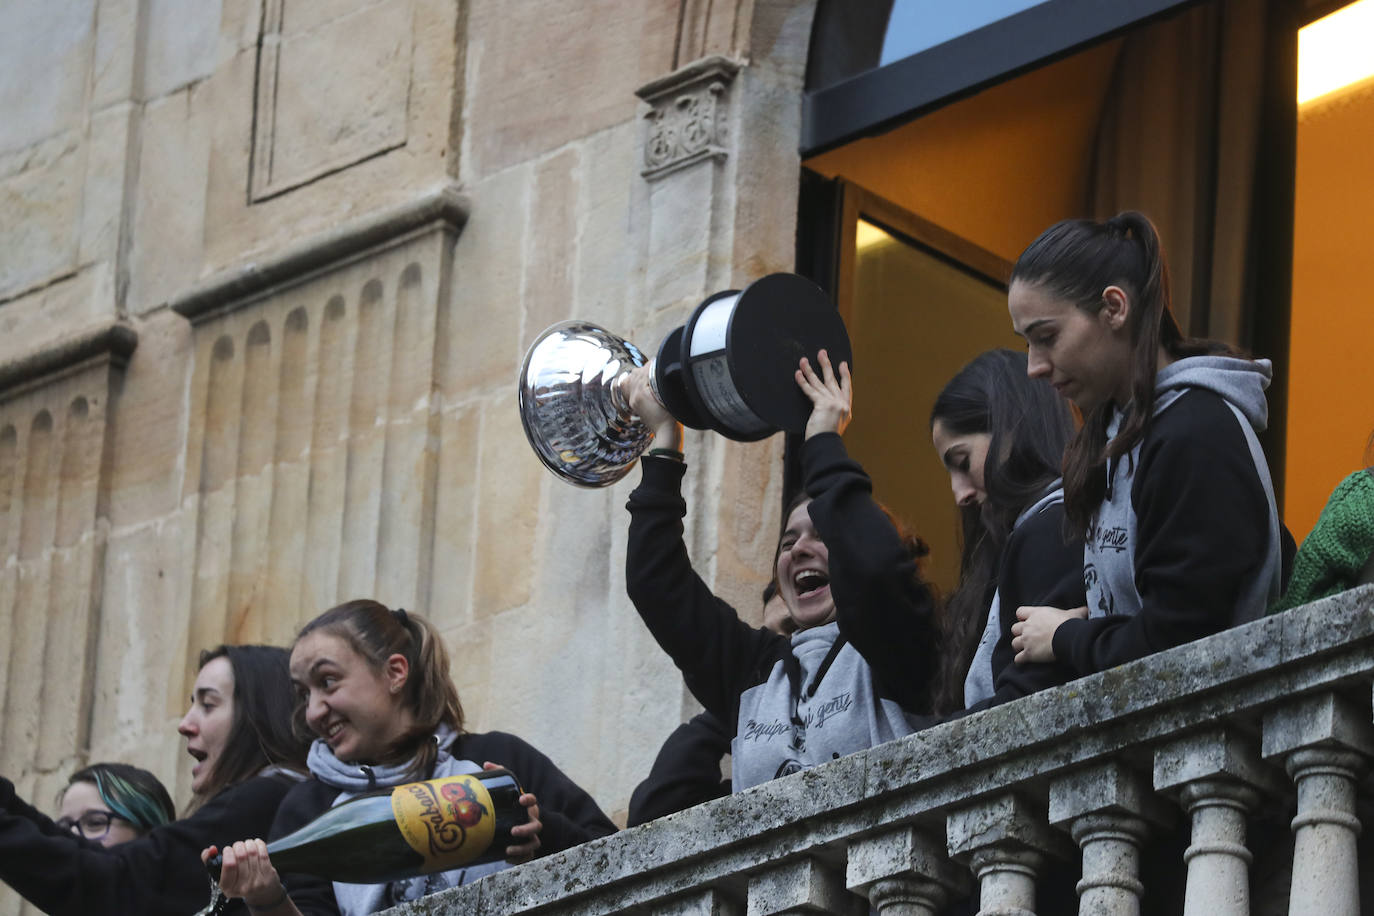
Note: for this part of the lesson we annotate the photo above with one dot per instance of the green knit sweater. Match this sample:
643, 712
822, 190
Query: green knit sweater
1340, 545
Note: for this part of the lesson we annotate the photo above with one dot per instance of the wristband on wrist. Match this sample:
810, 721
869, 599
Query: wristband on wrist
256, 908
672, 453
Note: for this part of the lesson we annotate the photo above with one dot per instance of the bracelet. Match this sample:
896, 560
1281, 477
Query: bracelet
270, 906
671, 453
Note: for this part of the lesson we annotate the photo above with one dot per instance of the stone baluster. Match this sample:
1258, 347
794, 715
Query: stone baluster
903, 872
1006, 843
708, 901
1108, 809
800, 886
1219, 778
1324, 742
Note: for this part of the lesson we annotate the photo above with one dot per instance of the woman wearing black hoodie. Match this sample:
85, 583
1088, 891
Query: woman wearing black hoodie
1166, 480
858, 669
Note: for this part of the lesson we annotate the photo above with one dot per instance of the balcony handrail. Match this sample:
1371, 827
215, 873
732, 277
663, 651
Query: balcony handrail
1231, 677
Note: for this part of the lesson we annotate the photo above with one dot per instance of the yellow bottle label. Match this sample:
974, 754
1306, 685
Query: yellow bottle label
449, 821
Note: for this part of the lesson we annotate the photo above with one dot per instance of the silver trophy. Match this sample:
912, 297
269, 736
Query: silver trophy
730, 368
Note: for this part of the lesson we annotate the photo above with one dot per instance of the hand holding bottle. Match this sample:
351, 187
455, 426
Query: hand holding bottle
529, 831
247, 872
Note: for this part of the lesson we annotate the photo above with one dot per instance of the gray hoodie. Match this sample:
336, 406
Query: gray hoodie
1109, 554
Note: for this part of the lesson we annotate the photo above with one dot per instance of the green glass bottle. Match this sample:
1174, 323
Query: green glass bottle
409, 830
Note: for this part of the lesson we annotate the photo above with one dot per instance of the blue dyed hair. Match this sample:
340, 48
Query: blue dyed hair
133, 794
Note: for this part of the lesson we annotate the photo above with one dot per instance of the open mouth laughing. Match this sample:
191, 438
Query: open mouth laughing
810, 582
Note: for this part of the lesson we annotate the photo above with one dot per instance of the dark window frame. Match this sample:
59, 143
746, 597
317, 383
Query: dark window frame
881, 99
828, 215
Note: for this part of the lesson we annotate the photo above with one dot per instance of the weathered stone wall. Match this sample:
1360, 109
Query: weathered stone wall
267, 271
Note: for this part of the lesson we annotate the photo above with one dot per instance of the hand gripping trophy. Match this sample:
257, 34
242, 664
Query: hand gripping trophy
729, 368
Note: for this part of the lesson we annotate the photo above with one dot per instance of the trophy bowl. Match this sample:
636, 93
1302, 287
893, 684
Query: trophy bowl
571, 406
730, 368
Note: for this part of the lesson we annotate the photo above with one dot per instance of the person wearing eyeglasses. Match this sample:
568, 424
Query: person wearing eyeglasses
245, 756
113, 803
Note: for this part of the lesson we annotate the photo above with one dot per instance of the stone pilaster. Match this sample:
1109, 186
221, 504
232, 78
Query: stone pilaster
687, 140
311, 458
55, 417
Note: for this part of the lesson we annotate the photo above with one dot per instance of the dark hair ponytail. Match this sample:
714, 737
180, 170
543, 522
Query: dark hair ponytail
1076, 260
1029, 425
376, 632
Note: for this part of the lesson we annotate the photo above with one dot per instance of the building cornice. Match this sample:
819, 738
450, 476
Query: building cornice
114, 341
445, 206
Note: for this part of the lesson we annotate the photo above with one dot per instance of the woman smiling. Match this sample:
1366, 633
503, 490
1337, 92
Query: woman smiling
858, 667
373, 686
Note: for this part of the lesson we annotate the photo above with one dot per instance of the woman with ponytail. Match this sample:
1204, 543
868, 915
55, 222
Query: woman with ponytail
1166, 480
374, 688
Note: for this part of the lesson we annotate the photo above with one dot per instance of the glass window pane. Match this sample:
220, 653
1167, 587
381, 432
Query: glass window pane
916, 25
915, 319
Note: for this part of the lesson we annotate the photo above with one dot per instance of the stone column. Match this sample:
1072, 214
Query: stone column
1218, 777
903, 872
801, 886
1324, 742
1006, 843
1107, 809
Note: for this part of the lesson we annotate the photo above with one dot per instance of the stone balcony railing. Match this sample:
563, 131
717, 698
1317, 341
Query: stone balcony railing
1271, 720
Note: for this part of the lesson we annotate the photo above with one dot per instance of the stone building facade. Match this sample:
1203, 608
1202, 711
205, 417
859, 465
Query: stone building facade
267, 272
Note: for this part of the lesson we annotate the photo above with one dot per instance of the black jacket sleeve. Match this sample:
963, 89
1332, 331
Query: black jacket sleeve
686, 771
718, 654
1202, 523
1041, 566
158, 873
570, 816
313, 896
882, 607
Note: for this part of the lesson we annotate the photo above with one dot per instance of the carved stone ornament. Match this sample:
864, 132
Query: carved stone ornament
688, 120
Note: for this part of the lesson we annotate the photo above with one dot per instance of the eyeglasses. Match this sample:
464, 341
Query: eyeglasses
92, 824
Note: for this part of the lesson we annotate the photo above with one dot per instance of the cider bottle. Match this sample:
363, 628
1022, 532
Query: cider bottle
405, 831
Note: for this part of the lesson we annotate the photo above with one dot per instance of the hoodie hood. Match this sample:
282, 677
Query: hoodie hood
1109, 574
353, 778
1241, 382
